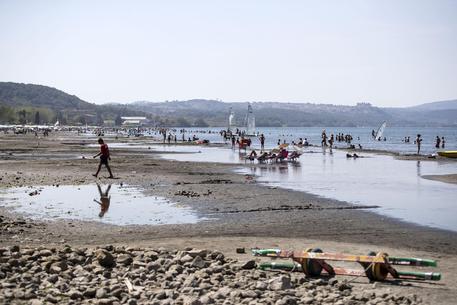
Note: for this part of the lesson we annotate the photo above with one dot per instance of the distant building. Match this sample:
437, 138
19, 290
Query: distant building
134, 120
364, 104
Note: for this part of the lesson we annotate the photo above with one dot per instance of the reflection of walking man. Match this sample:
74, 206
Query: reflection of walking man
104, 200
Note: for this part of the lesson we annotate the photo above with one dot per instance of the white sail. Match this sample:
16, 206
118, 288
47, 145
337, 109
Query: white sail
231, 120
250, 121
380, 131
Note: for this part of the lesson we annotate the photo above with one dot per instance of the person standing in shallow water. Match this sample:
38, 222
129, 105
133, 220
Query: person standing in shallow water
104, 157
438, 142
418, 143
262, 142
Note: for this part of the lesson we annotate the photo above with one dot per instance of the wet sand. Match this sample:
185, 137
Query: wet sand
239, 210
451, 178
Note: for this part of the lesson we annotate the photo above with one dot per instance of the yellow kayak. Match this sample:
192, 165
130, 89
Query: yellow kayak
448, 153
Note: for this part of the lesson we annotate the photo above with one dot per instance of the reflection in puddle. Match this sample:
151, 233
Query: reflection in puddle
119, 205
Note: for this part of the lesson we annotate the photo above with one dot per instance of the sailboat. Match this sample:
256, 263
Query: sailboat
380, 131
231, 120
250, 122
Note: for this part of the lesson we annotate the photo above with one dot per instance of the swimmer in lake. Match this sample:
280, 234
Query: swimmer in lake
104, 200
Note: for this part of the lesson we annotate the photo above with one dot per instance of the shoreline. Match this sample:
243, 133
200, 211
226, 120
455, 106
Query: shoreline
352, 227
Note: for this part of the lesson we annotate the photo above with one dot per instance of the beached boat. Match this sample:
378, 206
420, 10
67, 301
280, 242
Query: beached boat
250, 123
448, 153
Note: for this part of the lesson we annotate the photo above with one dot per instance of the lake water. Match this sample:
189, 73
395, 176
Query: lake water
394, 185
127, 205
361, 135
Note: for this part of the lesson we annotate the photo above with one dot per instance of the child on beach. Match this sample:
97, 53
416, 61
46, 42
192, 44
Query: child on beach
104, 157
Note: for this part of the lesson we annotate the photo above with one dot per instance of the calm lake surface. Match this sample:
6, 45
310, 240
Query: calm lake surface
361, 135
394, 185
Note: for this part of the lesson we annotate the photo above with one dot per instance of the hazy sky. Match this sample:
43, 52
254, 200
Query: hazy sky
391, 53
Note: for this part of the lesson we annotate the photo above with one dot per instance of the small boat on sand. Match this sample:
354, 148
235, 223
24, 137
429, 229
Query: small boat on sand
448, 153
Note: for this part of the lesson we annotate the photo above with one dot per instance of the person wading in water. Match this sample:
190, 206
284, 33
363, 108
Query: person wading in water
104, 157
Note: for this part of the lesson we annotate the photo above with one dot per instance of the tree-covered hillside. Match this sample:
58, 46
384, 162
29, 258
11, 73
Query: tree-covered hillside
36, 104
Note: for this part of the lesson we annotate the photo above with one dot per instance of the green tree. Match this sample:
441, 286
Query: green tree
200, 123
82, 119
37, 118
118, 120
7, 115
22, 116
99, 120
182, 122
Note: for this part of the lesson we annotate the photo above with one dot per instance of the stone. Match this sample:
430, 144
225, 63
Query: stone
206, 300
287, 300
280, 283
194, 253
186, 259
132, 302
90, 293
104, 258
261, 285
307, 300
222, 293
58, 267
51, 298
198, 262
15, 248
249, 265
105, 301
191, 301
53, 278
124, 259
248, 294
153, 266
75, 295
101, 293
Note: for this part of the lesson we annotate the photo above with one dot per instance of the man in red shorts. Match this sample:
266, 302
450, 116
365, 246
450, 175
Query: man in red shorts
104, 157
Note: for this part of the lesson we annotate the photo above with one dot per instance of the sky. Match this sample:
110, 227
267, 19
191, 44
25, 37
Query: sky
387, 52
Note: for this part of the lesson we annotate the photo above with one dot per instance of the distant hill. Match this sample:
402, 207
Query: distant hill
442, 105
36, 104
17, 95
276, 114
20, 103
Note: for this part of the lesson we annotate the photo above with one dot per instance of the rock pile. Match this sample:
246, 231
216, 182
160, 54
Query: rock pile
119, 275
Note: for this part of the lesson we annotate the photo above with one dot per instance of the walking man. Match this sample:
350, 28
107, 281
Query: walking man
104, 157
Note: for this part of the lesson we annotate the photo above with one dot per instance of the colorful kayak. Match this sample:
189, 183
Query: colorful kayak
448, 153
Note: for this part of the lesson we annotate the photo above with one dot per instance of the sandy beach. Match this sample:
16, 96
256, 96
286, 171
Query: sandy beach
238, 212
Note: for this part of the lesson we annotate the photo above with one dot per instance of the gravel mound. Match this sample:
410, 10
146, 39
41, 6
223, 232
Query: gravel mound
118, 275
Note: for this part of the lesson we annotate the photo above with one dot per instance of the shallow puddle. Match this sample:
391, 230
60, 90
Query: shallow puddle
115, 204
